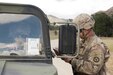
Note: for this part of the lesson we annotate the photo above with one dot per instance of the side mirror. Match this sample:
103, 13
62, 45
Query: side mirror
67, 39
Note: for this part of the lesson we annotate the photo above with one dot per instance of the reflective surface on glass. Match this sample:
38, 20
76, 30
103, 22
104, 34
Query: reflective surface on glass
20, 34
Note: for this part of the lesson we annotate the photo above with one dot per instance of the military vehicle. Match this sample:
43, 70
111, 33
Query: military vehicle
25, 42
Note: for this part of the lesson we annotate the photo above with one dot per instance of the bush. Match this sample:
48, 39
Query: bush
103, 25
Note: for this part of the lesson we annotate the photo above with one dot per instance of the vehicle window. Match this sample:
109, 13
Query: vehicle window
20, 34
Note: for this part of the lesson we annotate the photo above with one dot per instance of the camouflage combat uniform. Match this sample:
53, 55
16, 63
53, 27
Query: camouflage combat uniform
92, 58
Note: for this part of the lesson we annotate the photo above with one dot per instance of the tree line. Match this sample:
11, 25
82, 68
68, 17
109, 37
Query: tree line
103, 24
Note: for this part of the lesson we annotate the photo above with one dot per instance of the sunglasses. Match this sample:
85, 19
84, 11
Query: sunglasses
81, 30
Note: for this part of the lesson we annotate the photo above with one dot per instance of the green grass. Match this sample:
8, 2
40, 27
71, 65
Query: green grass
108, 41
53, 34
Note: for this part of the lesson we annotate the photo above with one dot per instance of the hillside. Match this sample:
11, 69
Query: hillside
109, 12
53, 19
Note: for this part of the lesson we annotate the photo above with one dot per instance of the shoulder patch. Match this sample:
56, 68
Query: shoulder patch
96, 56
96, 59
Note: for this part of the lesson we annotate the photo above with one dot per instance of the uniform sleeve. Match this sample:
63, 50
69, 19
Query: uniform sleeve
93, 63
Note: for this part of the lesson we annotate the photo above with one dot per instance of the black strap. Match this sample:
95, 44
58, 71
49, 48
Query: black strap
77, 73
2, 66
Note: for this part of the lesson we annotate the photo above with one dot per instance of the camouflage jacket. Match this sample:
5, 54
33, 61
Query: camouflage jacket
92, 58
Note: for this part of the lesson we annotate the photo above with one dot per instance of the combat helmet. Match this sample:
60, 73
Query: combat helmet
84, 21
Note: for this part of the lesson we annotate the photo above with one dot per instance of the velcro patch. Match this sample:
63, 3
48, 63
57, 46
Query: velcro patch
96, 59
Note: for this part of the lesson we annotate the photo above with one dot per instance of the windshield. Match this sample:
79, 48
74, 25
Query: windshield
20, 34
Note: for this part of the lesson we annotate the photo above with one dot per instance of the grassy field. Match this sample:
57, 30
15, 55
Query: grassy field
109, 42
53, 34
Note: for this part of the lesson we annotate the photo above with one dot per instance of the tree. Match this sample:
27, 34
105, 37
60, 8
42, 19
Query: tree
103, 24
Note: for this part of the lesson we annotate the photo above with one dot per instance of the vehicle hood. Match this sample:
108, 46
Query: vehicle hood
26, 68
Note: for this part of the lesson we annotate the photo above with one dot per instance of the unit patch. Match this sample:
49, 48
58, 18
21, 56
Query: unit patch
96, 59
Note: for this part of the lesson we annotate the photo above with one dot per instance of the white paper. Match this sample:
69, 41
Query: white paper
33, 46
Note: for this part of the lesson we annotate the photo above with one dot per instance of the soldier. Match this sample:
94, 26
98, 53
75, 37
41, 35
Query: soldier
93, 53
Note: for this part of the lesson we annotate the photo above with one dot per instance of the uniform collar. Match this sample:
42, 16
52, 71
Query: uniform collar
90, 39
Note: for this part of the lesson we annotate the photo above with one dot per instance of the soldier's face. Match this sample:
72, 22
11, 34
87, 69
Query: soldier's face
83, 33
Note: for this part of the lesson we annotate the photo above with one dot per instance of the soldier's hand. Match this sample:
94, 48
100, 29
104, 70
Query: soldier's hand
67, 59
56, 51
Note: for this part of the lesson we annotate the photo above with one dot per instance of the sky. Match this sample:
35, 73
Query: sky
67, 9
